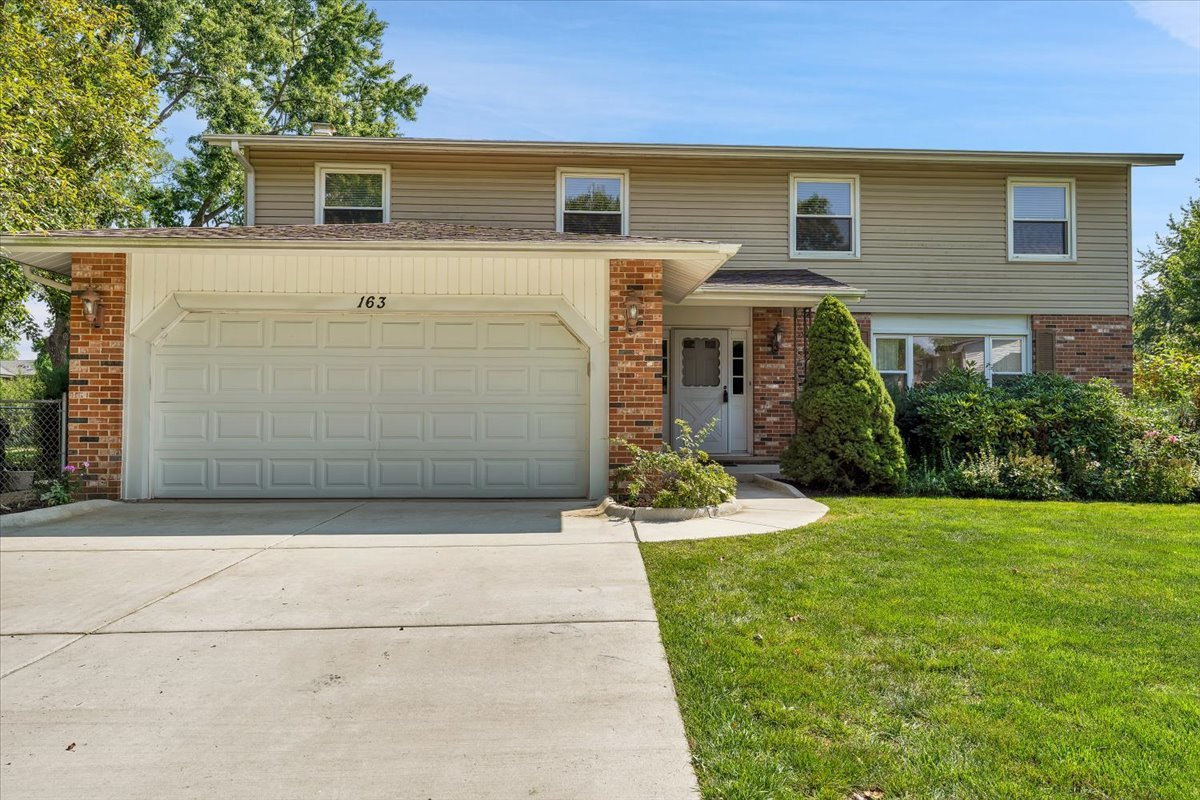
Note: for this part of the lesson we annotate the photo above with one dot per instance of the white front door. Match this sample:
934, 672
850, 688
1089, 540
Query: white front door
700, 384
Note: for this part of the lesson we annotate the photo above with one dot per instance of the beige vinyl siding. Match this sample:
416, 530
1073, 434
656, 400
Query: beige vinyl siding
933, 235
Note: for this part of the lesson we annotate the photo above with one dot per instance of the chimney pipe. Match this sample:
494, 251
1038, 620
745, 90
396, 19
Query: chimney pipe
322, 129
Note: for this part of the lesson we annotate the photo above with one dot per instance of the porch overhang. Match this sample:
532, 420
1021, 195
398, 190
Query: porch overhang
783, 287
687, 263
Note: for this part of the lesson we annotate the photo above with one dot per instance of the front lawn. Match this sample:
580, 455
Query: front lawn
941, 649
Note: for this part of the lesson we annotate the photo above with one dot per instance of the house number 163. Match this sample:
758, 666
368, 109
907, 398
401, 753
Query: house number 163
372, 301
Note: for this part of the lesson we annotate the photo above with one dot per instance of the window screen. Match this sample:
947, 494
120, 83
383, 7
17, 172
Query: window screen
824, 216
1041, 219
352, 197
592, 204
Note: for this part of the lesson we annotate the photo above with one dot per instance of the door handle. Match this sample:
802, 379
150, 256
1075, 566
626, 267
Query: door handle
724, 394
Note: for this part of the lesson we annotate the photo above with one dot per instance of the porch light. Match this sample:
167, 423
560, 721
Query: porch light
633, 312
777, 338
91, 306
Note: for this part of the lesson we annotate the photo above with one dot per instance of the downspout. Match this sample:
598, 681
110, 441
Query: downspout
240, 155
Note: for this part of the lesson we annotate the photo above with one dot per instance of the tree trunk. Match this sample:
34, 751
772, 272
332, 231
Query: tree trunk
57, 342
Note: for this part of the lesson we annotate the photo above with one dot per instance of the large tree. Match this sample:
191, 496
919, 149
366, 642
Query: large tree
86, 85
77, 109
261, 66
1168, 310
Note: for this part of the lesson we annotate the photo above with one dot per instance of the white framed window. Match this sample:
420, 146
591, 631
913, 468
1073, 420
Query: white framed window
1041, 219
592, 201
348, 193
907, 360
823, 216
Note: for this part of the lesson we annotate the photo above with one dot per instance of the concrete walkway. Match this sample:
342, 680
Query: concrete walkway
338, 649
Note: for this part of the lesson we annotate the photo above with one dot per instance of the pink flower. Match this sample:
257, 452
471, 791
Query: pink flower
69, 468
1150, 434
86, 465
1173, 439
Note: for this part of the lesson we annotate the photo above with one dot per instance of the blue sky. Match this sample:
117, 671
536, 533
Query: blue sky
1104, 76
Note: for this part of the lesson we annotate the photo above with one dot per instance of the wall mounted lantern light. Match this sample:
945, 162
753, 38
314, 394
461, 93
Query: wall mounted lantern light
777, 338
91, 306
633, 312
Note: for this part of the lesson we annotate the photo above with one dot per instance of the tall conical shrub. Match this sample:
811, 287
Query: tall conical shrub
846, 437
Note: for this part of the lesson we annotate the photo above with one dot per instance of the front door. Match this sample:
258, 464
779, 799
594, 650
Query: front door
700, 384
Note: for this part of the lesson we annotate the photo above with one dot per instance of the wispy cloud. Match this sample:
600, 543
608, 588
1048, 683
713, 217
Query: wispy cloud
1179, 18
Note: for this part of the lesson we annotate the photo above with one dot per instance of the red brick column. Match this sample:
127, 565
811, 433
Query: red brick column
864, 327
97, 372
1087, 346
635, 402
773, 387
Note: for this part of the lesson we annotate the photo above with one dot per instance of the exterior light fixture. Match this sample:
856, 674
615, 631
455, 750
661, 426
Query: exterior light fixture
633, 312
777, 338
91, 306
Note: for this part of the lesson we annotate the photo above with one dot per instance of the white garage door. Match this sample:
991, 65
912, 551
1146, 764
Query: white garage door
369, 405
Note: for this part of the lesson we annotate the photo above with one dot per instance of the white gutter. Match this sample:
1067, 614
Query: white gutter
240, 155
381, 144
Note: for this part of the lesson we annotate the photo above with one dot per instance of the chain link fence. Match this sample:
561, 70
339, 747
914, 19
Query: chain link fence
32, 442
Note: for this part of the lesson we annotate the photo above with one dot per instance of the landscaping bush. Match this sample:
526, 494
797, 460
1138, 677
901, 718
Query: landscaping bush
1044, 436
1160, 469
1167, 374
684, 477
1015, 476
846, 437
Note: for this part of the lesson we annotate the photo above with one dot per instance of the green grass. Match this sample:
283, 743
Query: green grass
941, 649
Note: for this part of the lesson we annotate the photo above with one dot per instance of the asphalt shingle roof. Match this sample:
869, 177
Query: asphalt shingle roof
758, 279
408, 231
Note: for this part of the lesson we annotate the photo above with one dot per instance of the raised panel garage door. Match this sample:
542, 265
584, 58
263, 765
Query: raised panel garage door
370, 405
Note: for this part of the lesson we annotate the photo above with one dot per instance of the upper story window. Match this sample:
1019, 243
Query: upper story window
352, 193
1041, 219
824, 216
591, 201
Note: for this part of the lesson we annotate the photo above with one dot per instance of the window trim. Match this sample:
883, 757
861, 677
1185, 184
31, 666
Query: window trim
560, 182
324, 168
1072, 216
1026, 352
855, 252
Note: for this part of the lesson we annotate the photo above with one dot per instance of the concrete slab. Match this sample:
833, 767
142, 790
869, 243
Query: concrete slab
196, 519
572, 530
448, 516
762, 512
76, 592
17, 651
443, 650
579, 711
41, 516
40, 543
399, 586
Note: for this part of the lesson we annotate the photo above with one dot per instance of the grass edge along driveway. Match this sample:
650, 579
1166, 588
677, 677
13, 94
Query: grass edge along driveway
941, 648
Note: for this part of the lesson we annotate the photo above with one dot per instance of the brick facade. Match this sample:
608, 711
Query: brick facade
777, 375
773, 385
97, 372
1089, 346
635, 400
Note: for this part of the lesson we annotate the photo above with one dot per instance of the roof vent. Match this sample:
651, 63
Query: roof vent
322, 129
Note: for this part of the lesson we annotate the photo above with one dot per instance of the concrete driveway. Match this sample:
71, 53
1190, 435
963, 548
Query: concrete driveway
334, 650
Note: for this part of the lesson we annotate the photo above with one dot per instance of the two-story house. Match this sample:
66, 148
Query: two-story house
433, 318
